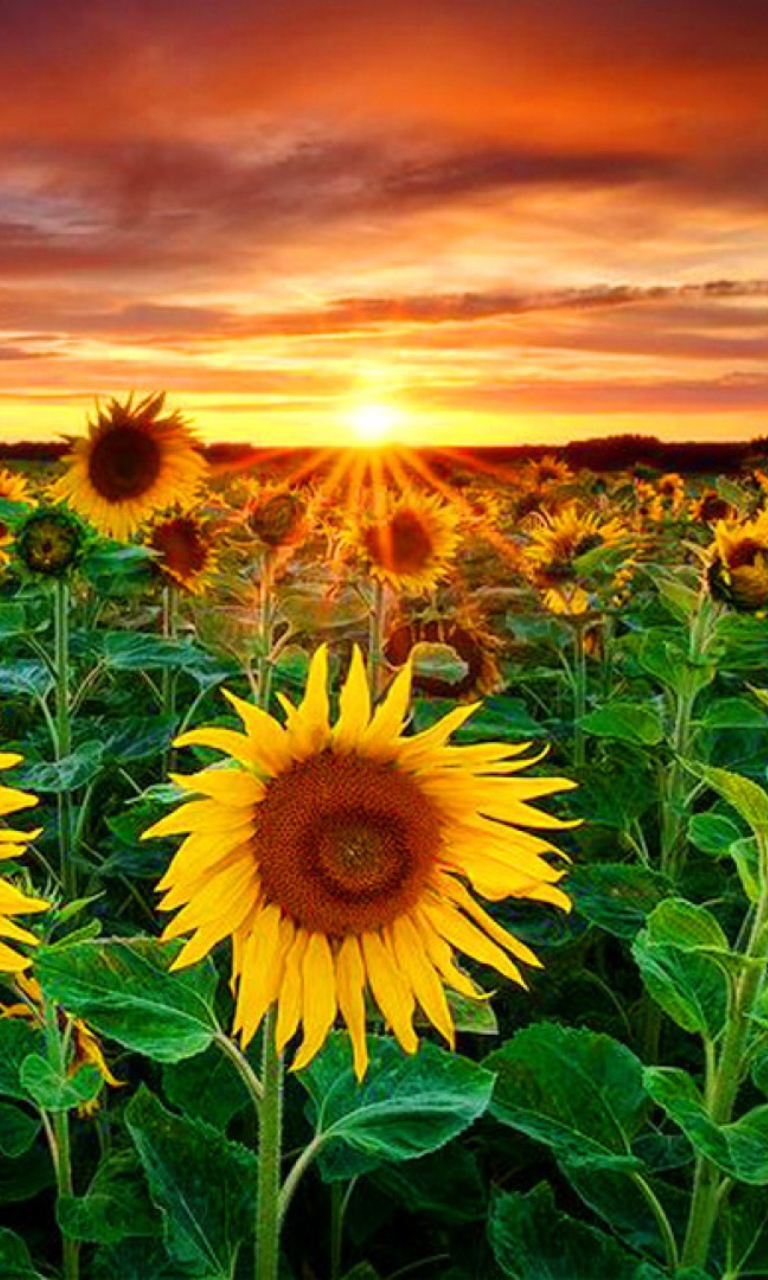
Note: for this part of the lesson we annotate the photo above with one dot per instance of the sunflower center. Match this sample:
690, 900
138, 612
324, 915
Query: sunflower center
745, 552
345, 844
181, 546
124, 463
402, 544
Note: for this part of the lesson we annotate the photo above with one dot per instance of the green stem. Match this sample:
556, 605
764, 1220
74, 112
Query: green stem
264, 665
376, 623
170, 627
68, 872
243, 1069
579, 691
56, 1050
267, 1235
662, 1221
728, 1074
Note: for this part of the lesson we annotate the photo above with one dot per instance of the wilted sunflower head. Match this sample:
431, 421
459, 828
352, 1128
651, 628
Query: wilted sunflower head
12, 901
462, 632
411, 544
184, 550
277, 517
50, 542
738, 569
338, 858
134, 461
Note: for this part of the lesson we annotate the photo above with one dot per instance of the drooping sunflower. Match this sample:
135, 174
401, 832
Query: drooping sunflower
135, 460
463, 631
411, 544
738, 568
184, 549
12, 901
339, 858
276, 516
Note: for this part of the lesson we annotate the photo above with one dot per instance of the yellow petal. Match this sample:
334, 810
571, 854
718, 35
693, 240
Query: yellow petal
228, 786
236, 745
262, 968
9, 929
429, 740
389, 716
11, 961
202, 816
441, 955
389, 990
464, 899
269, 739
289, 1006
12, 800
319, 1003
350, 991
8, 759
354, 706
414, 965
461, 933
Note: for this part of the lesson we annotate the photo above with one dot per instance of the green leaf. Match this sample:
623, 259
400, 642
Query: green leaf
405, 1106
531, 1238
748, 799
579, 1092
139, 1260
123, 989
739, 1149
115, 1206
138, 738
13, 620
680, 957
72, 771
26, 1177
680, 599
15, 1262
475, 1017
18, 1130
54, 1090
712, 832
734, 713
617, 896
445, 1184
626, 722
17, 1041
25, 676
203, 1185
668, 662
206, 1086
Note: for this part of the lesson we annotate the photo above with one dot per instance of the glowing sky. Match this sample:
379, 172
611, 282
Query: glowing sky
502, 220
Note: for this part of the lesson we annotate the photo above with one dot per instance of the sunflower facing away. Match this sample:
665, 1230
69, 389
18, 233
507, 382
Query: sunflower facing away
12, 901
411, 544
340, 858
184, 549
134, 461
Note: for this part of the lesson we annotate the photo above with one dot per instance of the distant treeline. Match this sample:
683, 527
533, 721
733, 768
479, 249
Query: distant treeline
606, 453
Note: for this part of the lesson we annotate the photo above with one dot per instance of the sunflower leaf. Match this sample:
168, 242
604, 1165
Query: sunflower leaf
15, 1261
626, 722
739, 1149
202, 1183
404, 1108
123, 989
530, 1237
579, 1092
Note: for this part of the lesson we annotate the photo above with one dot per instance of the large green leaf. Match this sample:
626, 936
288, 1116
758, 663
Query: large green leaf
139, 1260
17, 1041
579, 1092
115, 1206
15, 1262
682, 956
54, 1090
206, 1086
25, 676
617, 896
405, 1106
531, 1238
72, 771
123, 989
739, 1149
203, 1185
631, 722
748, 799
712, 832
18, 1130
445, 1184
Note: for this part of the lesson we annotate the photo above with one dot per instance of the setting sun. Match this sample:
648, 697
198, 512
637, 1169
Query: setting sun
373, 423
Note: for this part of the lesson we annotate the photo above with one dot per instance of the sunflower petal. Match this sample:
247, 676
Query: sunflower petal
354, 706
389, 990
350, 991
319, 1003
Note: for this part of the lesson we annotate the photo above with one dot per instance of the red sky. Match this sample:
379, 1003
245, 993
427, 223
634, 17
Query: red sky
507, 220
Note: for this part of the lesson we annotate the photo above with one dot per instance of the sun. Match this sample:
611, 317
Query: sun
372, 424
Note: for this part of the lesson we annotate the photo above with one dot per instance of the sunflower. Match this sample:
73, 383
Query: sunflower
12, 901
711, 507
184, 550
411, 544
738, 569
134, 461
339, 858
13, 488
276, 516
465, 633
50, 542
559, 539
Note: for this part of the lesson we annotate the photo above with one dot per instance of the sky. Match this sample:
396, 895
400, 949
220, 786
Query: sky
488, 221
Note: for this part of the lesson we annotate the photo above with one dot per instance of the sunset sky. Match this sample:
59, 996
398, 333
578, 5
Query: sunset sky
498, 220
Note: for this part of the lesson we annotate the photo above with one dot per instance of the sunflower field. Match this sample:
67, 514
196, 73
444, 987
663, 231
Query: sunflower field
385, 867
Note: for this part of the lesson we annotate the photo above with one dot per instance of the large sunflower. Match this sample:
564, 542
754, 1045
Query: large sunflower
12, 901
134, 461
410, 545
339, 858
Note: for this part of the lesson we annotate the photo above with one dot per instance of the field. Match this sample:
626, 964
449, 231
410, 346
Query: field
385, 882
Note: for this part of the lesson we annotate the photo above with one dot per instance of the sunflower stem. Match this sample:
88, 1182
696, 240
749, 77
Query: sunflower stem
170, 626
56, 1048
267, 1235
579, 690
264, 666
63, 745
243, 1068
376, 624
